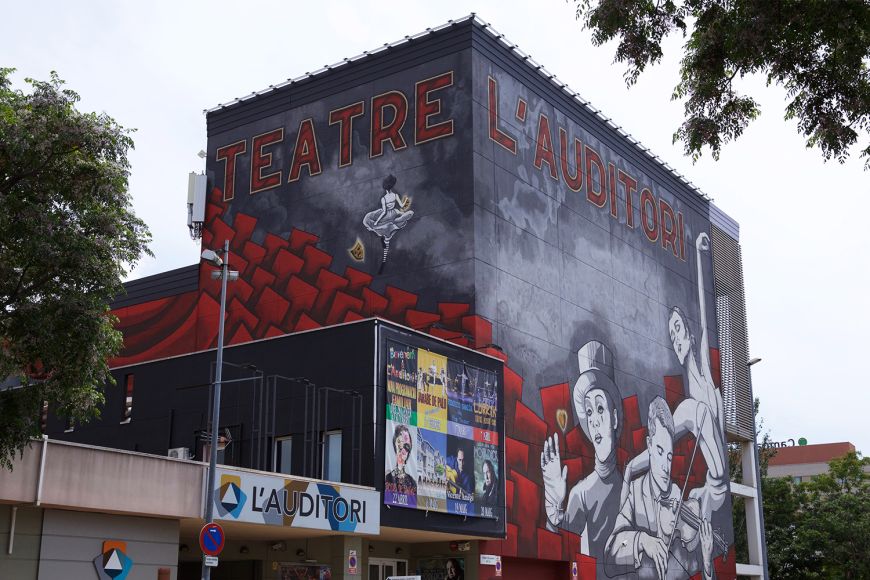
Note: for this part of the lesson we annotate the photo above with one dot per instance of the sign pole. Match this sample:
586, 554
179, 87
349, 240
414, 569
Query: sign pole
216, 402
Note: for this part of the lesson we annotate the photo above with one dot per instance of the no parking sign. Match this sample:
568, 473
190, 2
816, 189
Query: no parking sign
211, 539
352, 562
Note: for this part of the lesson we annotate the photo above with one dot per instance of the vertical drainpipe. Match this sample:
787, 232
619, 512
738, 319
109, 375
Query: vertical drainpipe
39, 477
12, 528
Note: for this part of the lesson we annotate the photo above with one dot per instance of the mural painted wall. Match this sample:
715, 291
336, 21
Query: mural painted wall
453, 198
354, 205
598, 279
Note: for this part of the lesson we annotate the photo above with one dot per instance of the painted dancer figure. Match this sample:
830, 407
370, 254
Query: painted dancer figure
593, 503
701, 412
390, 218
657, 535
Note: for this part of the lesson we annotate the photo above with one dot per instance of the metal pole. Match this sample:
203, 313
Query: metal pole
216, 403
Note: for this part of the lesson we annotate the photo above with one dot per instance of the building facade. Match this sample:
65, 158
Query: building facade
802, 463
503, 313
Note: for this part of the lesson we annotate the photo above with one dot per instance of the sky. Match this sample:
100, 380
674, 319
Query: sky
155, 66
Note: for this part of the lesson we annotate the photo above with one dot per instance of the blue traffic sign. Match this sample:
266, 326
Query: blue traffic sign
211, 539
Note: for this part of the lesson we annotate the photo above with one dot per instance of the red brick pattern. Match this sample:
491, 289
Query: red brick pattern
288, 286
285, 285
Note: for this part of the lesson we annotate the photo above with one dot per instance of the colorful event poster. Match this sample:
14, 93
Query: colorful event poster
460, 476
485, 400
486, 479
431, 470
290, 571
460, 400
400, 479
431, 391
441, 568
442, 443
401, 384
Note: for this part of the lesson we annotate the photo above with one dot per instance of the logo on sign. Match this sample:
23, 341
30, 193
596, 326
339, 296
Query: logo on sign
113, 563
574, 570
231, 499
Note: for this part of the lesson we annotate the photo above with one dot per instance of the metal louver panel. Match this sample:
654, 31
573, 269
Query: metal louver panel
733, 334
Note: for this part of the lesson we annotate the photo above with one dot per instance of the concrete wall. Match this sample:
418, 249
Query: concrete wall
23, 561
104, 480
72, 540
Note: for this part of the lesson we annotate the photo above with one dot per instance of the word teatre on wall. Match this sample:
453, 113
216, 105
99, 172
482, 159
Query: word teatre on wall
561, 156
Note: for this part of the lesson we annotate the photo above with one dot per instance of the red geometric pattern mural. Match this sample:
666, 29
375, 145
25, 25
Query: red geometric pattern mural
286, 285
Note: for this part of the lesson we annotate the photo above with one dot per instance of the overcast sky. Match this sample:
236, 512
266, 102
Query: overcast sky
154, 66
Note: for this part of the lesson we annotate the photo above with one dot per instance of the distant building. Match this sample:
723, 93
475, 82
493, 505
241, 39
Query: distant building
803, 462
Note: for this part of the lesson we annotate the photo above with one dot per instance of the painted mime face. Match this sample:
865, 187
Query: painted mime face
679, 336
601, 421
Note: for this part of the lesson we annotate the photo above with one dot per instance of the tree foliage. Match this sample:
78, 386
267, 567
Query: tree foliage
814, 529
67, 233
818, 50
820, 528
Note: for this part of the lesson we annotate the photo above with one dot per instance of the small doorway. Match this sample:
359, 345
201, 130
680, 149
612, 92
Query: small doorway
383, 568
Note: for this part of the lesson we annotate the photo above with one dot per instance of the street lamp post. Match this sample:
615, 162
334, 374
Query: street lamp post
757, 469
211, 257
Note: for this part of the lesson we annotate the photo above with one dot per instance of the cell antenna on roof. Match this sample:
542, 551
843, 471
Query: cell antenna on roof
196, 186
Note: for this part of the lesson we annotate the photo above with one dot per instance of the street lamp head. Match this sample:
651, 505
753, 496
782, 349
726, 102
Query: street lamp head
753, 360
212, 258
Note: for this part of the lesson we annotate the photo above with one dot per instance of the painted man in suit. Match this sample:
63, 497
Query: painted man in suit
642, 542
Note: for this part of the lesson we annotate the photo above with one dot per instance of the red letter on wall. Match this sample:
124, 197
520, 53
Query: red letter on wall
544, 147
495, 133
630, 185
649, 211
599, 197
228, 153
611, 185
305, 152
668, 223
344, 117
393, 131
261, 160
575, 182
424, 108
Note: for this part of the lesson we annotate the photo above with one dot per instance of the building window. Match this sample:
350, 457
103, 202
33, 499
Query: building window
283, 454
332, 456
127, 399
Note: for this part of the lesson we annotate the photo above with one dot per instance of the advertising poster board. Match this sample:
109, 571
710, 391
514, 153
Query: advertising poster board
441, 445
442, 569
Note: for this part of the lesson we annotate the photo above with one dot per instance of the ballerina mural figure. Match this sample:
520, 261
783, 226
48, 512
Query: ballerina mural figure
392, 216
